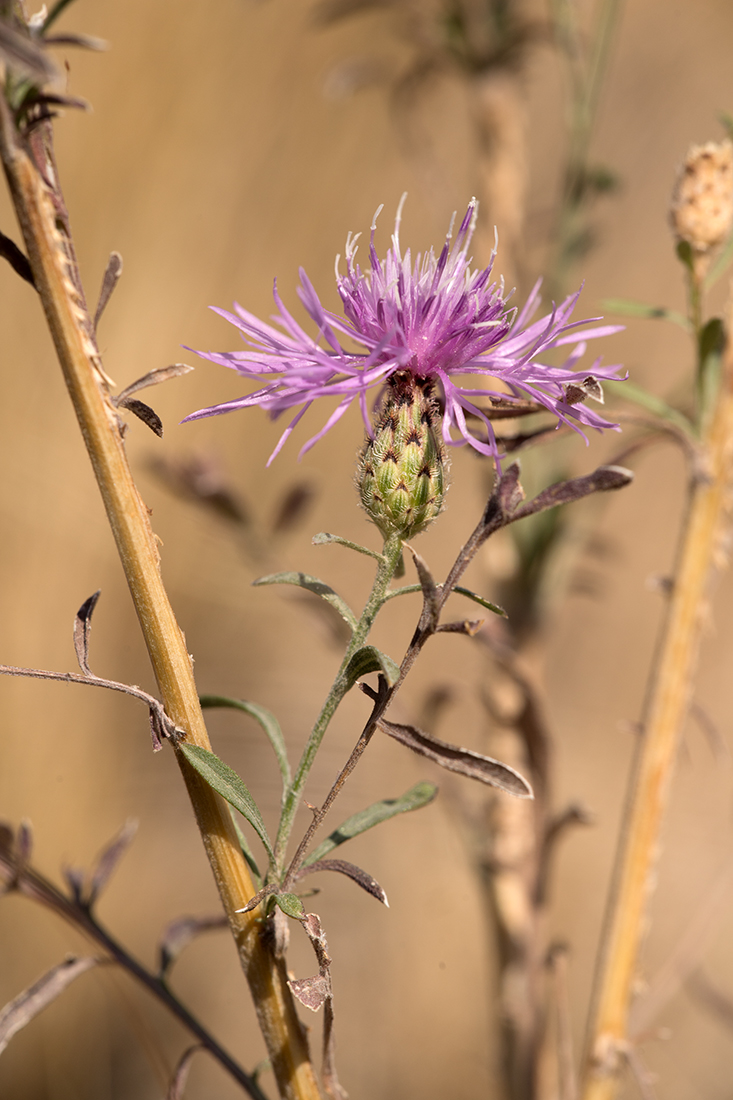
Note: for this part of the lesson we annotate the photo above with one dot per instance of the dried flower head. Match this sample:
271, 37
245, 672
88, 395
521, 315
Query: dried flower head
433, 318
702, 199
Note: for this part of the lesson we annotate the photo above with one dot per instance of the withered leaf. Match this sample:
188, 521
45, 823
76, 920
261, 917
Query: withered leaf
142, 412
603, 480
180, 933
311, 992
20, 52
108, 859
455, 759
360, 877
23, 1008
430, 592
109, 282
82, 628
153, 377
470, 627
180, 1077
16, 258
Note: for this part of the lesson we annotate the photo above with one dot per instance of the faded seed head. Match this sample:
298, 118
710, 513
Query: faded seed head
401, 472
702, 198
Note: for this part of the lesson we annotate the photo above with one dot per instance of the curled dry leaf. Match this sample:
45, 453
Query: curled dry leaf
23, 1008
21, 53
108, 859
109, 282
469, 627
16, 258
142, 412
153, 377
180, 1077
463, 761
311, 992
360, 877
82, 629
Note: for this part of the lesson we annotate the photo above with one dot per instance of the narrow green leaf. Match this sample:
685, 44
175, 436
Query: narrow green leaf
651, 403
324, 538
247, 852
318, 588
409, 588
370, 659
54, 13
480, 600
626, 307
404, 590
267, 721
419, 795
291, 905
227, 783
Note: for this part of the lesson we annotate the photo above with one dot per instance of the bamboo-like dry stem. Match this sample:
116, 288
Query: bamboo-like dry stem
50, 252
668, 703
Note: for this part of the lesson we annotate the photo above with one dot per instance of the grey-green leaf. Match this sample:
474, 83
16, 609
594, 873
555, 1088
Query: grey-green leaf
626, 307
266, 719
370, 659
291, 905
480, 600
407, 589
318, 588
419, 795
651, 403
227, 783
324, 538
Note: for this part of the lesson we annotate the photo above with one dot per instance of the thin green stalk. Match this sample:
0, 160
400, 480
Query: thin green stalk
587, 81
388, 563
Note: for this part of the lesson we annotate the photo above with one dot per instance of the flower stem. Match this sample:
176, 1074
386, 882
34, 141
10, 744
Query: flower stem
666, 708
42, 217
385, 572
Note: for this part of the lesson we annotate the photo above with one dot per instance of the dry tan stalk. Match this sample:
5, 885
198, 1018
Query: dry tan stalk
667, 708
51, 258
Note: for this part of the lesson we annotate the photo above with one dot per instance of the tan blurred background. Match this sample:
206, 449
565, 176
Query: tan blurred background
217, 157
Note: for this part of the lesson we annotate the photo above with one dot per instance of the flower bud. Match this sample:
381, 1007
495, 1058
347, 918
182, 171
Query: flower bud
702, 198
401, 474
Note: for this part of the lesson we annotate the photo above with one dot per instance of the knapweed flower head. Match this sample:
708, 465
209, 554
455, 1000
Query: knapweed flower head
433, 320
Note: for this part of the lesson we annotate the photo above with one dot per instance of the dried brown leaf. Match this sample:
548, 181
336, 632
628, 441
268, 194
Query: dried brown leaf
142, 412
311, 992
27, 1005
180, 1077
463, 761
109, 282
108, 859
153, 377
82, 629
360, 877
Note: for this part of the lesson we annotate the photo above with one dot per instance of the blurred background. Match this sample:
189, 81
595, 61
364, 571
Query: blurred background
228, 144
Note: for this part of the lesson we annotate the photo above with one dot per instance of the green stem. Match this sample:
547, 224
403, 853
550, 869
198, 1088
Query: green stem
586, 79
388, 563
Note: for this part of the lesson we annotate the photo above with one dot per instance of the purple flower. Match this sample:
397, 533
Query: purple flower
434, 318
